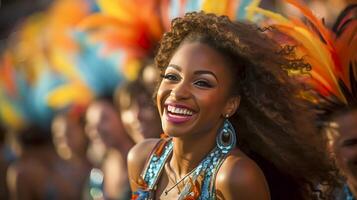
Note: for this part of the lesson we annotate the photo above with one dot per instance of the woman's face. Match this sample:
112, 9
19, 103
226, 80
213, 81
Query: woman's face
102, 121
194, 94
141, 118
343, 140
68, 135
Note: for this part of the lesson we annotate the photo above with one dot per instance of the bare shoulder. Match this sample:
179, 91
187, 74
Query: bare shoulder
137, 158
240, 178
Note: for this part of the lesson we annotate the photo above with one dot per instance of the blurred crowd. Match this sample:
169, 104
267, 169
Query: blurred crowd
70, 159
75, 147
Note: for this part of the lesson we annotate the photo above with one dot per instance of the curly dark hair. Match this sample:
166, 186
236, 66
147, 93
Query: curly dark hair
274, 126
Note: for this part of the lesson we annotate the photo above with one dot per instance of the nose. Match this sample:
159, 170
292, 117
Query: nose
181, 91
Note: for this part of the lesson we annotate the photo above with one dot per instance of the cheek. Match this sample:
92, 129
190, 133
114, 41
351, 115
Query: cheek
346, 156
162, 93
211, 100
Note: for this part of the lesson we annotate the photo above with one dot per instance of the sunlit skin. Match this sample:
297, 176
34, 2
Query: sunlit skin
198, 79
343, 143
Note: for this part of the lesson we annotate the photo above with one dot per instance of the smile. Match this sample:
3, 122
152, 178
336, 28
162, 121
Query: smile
179, 111
178, 114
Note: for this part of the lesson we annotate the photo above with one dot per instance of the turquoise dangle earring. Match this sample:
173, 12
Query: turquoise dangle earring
226, 138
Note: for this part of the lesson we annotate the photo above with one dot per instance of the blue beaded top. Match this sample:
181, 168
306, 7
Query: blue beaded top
155, 165
207, 170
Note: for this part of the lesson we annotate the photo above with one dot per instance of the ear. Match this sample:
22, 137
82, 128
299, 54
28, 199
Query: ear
231, 106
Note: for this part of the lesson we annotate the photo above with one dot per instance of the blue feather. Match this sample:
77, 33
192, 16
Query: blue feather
174, 9
193, 5
241, 12
100, 72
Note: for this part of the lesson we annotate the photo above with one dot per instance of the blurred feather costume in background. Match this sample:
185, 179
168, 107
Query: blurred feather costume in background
49, 66
135, 34
87, 46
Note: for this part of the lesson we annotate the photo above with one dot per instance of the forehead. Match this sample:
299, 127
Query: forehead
199, 56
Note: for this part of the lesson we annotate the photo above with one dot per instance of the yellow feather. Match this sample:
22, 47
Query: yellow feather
62, 64
69, 94
116, 8
131, 69
9, 115
251, 8
313, 45
218, 7
317, 50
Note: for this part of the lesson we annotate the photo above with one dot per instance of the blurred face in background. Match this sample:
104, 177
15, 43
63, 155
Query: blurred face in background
139, 114
342, 136
69, 137
140, 117
103, 122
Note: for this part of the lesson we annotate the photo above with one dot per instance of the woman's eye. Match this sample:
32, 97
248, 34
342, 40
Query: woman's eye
349, 142
203, 83
171, 77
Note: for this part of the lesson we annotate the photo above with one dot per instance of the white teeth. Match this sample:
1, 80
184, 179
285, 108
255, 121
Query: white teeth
182, 111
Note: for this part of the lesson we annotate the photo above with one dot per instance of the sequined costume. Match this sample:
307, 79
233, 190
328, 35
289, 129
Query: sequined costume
207, 170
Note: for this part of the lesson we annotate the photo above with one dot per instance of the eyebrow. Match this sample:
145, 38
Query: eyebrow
199, 72
178, 68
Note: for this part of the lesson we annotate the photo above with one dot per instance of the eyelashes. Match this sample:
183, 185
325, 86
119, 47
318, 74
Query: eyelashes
171, 77
201, 83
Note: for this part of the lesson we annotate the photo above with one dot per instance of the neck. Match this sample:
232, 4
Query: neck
189, 152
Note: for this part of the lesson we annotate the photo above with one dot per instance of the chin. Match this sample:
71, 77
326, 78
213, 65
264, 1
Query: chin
174, 131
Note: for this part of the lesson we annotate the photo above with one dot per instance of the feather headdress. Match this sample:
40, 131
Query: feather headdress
332, 53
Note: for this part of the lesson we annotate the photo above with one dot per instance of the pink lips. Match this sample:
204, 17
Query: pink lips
177, 118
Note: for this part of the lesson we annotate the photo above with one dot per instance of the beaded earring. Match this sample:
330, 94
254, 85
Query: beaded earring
226, 138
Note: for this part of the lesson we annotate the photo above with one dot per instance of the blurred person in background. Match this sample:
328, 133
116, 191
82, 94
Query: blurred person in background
138, 111
103, 122
71, 143
3, 165
6, 158
40, 173
341, 129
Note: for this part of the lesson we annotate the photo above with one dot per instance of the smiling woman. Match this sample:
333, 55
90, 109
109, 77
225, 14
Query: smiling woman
231, 120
